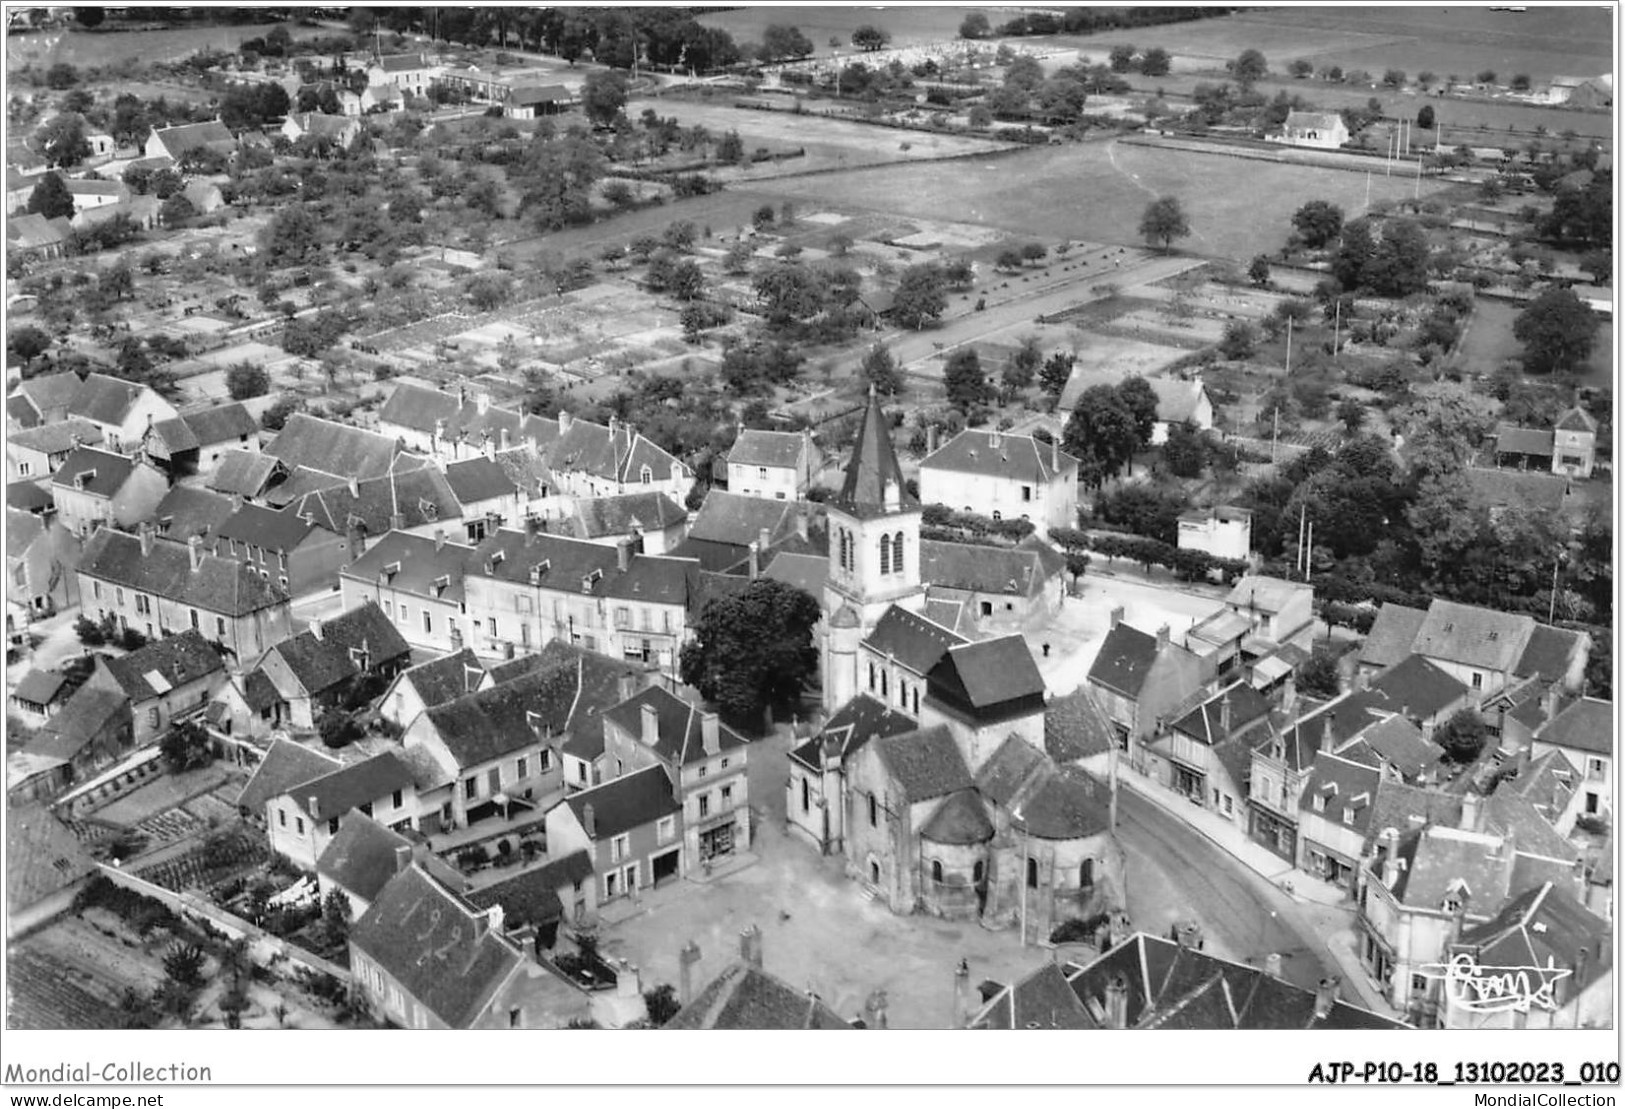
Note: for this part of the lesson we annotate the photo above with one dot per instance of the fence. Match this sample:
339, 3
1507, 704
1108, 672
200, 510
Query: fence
264, 948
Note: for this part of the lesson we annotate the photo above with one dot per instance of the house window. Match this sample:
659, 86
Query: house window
471, 789
885, 555
120, 593
519, 769
1026, 492
897, 553
428, 621
1032, 874
1229, 807
544, 762
492, 625
1478, 680
152, 716
96, 591
916, 700
299, 825
987, 608
581, 773
396, 799
494, 777
997, 515
761, 472
620, 847
806, 796
610, 884
333, 827
871, 676
705, 805
936, 870
1086, 874
282, 818
883, 683
727, 796
666, 828
23, 469
725, 762
874, 811
220, 626
646, 475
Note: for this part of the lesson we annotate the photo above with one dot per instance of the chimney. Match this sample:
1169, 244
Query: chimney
194, 549
651, 724
1162, 636
439, 539
750, 946
1326, 997
1470, 808
482, 401
564, 421
801, 524
1389, 842
930, 438
236, 502
502, 438
962, 1005
397, 521
755, 561
1116, 617
1549, 702
403, 857
493, 918
764, 539
1362, 679
589, 820
710, 733
994, 439
490, 447
355, 487
629, 685
623, 555
1224, 715
1117, 1002
1054, 455
316, 630
1326, 742
1272, 964
313, 807
144, 531
1289, 693
686, 958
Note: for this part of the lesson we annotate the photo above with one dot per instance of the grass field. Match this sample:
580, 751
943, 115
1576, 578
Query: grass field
1489, 342
86, 48
908, 26
1097, 192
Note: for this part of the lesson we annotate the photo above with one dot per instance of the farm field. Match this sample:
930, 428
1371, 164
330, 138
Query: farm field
1097, 191
908, 26
1489, 342
94, 48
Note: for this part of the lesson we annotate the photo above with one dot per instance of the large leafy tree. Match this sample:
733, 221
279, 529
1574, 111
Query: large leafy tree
782, 41
1142, 402
1103, 433
753, 651
63, 141
1249, 66
921, 297
1557, 331
789, 291
556, 180
965, 379
1353, 253
51, 198
1164, 221
880, 370
1057, 372
1318, 222
603, 95
869, 37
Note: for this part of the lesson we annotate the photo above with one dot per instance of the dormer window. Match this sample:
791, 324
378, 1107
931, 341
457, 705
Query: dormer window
646, 475
391, 570
1320, 802
441, 584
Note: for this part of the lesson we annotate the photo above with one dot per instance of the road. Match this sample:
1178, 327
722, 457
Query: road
1172, 869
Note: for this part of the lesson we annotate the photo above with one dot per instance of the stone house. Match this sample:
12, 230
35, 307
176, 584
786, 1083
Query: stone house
630, 827
1003, 477
93, 488
774, 465
164, 682
302, 820
1138, 679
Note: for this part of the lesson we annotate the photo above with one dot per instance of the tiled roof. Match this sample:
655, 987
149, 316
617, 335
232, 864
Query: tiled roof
1205, 722
422, 564
106, 400
1391, 636
782, 449
478, 479
101, 473
1536, 441
806, 572
873, 471
1525, 828
911, 639
925, 764
363, 783
678, 726
1176, 400
444, 679
187, 510
22, 528
40, 687
189, 136
1343, 792
54, 438
246, 473
598, 517
1265, 594
1043, 999
988, 673
745, 997
315, 665
959, 821
1549, 651
1586, 725
1542, 927
440, 949
1317, 121
221, 423
739, 520
486, 725
165, 664
1075, 728
86, 716
1065, 804
1398, 743
1124, 661
532, 898
972, 567
1576, 419
1002, 776
622, 804
570, 564
1000, 455
658, 579
857, 722
49, 392
219, 585
285, 765
363, 856
1439, 860
29, 496
1419, 686
267, 528
420, 496
1405, 808
333, 448
1473, 636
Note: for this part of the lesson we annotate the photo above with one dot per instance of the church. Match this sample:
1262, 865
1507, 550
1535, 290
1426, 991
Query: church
929, 776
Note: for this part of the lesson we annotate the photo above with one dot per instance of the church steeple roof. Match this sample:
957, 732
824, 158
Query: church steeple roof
874, 481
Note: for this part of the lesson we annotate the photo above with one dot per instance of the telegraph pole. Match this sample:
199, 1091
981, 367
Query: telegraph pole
1337, 325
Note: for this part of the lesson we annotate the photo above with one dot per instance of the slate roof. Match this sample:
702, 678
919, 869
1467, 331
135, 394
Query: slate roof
1313, 121
22, 528
165, 664
1541, 927
363, 856
478, 479
440, 949
959, 821
40, 687
486, 725
333, 448
1043, 999
179, 139
657, 579
1518, 488
630, 801
532, 897
1405, 808
286, 765
1075, 727
1441, 859
104, 473
258, 692
971, 567
1170, 986
925, 764
359, 783
1473, 636
421, 565
1002, 776
106, 400
1586, 725
857, 722
738, 520
1576, 419
421, 496
873, 469
912, 640
1528, 831
1391, 636
613, 453
220, 585
1537, 441
804, 571
246, 473
86, 716
1397, 742
1000, 455
1346, 791
28, 496
1265, 594
50, 392
1547, 656
315, 665
398, 63
598, 517
988, 673
782, 449
1205, 722
1064, 804
1125, 660
746, 997
442, 679
528, 95
187, 510
680, 739
1419, 686
54, 438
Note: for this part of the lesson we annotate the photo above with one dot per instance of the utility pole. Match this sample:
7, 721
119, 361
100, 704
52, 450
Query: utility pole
1368, 190
1308, 550
1025, 863
1337, 325
1275, 434
1289, 345
1551, 614
1302, 512
1111, 768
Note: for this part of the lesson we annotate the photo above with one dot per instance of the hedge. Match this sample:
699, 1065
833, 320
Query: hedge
1187, 565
